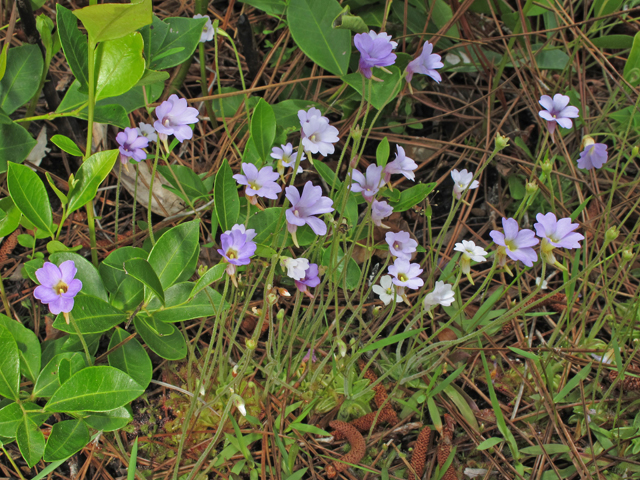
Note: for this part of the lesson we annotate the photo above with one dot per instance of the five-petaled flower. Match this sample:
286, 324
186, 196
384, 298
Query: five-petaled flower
463, 181
376, 50
317, 134
401, 245
380, 211
237, 248
132, 145
556, 234
406, 274
174, 118
286, 157
426, 64
147, 130
207, 30
442, 294
58, 286
557, 110
296, 267
386, 290
402, 165
594, 154
311, 279
304, 207
368, 184
470, 251
260, 183
514, 243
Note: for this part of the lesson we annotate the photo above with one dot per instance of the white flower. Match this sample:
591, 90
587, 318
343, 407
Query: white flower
442, 294
386, 290
238, 402
469, 252
463, 180
317, 135
544, 285
147, 130
286, 156
207, 30
402, 165
296, 267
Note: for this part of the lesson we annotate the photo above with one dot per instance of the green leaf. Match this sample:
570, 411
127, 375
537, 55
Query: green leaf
15, 142
169, 347
263, 128
126, 292
573, 383
614, 41
346, 20
30, 441
142, 271
398, 337
605, 7
21, 78
353, 275
95, 389
131, 358
214, 274
170, 42
489, 442
179, 307
92, 315
380, 93
10, 417
310, 23
109, 21
171, 255
225, 195
328, 175
525, 354
110, 420
275, 8
119, 65
89, 177
9, 217
191, 183
150, 77
286, 112
412, 196
48, 381
28, 347
549, 448
382, 152
3, 60
87, 274
631, 71
29, 195
9, 365
66, 438
74, 45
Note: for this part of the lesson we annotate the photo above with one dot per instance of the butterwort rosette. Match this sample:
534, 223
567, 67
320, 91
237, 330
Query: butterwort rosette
376, 50
515, 243
58, 287
304, 208
426, 64
237, 248
174, 117
132, 145
556, 234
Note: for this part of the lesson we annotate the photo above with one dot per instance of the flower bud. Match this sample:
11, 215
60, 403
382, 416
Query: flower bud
342, 347
250, 343
280, 315
376, 309
238, 402
428, 211
502, 142
634, 152
234, 371
587, 141
356, 133
202, 269
547, 166
272, 298
531, 188
627, 255
611, 234
283, 292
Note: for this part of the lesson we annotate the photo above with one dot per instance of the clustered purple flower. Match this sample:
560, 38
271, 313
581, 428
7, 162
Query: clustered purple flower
304, 207
58, 286
207, 30
380, 211
401, 245
556, 234
515, 243
594, 154
237, 248
286, 157
311, 279
376, 50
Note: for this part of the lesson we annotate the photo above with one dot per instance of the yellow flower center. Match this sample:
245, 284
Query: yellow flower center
511, 245
402, 277
232, 254
254, 185
61, 288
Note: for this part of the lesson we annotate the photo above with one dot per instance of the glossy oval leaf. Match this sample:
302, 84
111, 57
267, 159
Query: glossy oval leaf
92, 315
30, 441
212, 275
119, 65
74, 45
169, 347
379, 93
90, 175
10, 416
10, 217
66, 438
412, 196
131, 358
28, 347
311, 25
225, 195
15, 144
170, 42
21, 78
9, 365
172, 253
179, 307
65, 143
263, 128
110, 420
49, 380
142, 271
95, 389
30, 196
109, 21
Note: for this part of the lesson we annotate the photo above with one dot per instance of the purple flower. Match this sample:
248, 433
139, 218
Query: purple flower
131, 145
515, 243
401, 245
370, 184
379, 211
207, 30
295, 267
426, 64
304, 207
147, 130
375, 51
556, 233
310, 355
557, 111
286, 156
173, 117
311, 279
406, 274
261, 183
57, 286
317, 134
402, 165
463, 180
305, 115
594, 155
237, 247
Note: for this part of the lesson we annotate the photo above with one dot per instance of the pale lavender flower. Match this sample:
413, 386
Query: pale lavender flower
58, 287
376, 50
386, 290
368, 184
131, 145
401, 245
305, 115
402, 165
286, 156
426, 63
470, 251
207, 30
237, 247
406, 274
515, 243
463, 181
380, 211
259, 182
556, 234
304, 207
594, 155
557, 110
296, 267
147, 130
174, 116
442, 294
318, 135
310, 279
310, 355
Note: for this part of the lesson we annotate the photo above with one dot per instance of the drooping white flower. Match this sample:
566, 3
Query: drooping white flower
463, 181
442, 294
470, 251
386, 290
296, 267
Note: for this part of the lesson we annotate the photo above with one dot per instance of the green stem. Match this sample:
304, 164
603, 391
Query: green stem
82, 341
205, 87
91, 55
5, 301
153, 174
117, 201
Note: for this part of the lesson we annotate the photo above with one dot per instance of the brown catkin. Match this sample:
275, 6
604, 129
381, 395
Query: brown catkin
380, 392
419, 455
507, 328
450, 474
358, 448
365, 423
629, 384
444, 449
8, 246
